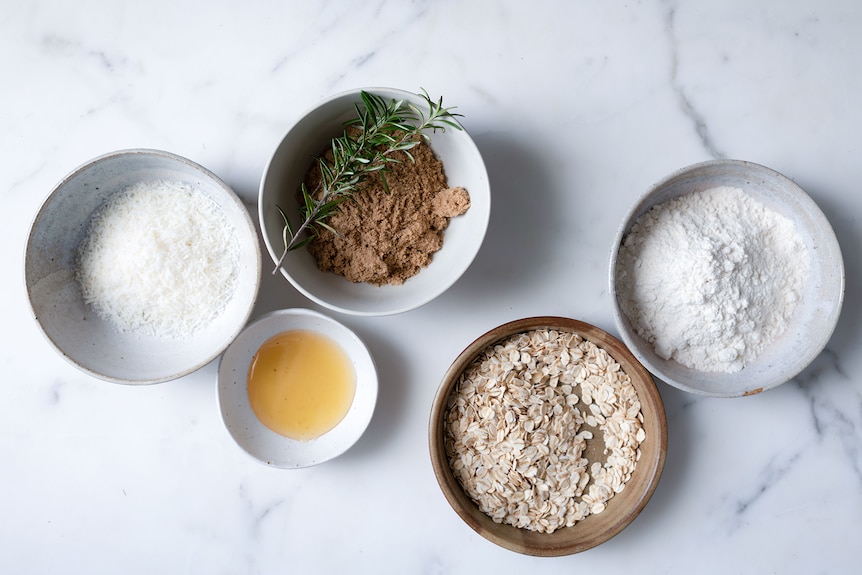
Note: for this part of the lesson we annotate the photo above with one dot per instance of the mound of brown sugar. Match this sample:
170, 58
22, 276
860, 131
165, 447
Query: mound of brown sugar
385, 238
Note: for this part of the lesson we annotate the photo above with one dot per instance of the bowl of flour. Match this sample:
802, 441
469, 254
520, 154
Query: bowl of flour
726, 279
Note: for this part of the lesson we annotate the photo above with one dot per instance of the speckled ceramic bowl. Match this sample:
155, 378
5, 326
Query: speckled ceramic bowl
621, 509
815, 316
286, 169
73, 329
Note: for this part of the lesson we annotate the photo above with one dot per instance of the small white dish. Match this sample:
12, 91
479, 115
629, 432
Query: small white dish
92, 344
814, 319
258, 440
286, 168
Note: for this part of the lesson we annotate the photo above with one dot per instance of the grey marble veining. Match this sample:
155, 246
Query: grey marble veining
577, 107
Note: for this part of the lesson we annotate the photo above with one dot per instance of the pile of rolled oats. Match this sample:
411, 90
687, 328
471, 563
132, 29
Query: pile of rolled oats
516, 431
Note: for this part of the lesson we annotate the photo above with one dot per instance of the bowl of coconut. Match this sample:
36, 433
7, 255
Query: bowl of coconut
375, 201
726, 279
142, 266
547, 437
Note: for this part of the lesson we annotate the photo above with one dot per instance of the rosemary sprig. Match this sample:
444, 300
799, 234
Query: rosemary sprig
382, 128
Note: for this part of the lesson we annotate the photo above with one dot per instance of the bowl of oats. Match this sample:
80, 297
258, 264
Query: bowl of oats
375, 202
726, 279
547, 436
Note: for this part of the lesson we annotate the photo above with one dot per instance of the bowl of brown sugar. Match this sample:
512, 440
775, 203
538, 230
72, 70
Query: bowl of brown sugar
403, 224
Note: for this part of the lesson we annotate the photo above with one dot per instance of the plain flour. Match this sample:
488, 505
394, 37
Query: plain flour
711, 278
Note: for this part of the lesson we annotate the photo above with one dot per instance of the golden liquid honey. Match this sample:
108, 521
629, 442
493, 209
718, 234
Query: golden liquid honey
301, 384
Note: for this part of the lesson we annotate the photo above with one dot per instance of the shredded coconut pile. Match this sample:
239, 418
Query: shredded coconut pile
159, 258
711, 278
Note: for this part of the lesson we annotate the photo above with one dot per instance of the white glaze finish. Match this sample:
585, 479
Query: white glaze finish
577, 109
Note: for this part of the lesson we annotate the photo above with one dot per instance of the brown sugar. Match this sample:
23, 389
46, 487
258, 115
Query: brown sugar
385, 238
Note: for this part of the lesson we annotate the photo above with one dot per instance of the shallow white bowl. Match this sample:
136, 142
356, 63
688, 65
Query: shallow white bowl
73, 329
286, 169
816, 314
261, 442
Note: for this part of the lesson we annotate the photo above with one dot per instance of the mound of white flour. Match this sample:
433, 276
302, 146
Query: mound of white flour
711, 278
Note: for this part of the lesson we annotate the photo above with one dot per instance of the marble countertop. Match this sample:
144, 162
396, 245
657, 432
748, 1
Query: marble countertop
577, 108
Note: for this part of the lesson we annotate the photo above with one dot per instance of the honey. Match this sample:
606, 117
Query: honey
301, 384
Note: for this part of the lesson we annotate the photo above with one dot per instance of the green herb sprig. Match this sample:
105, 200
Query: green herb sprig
382, 128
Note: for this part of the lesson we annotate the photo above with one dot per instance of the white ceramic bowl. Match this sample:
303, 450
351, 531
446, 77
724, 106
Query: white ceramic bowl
284, 173
72, 328
254, 437
816, 314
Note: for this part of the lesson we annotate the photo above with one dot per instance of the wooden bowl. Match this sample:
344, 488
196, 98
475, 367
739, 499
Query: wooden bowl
621, 509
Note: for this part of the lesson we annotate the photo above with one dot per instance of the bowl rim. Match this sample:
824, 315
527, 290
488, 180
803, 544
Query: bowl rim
274, 254
524, 541
632, 341
80, 168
